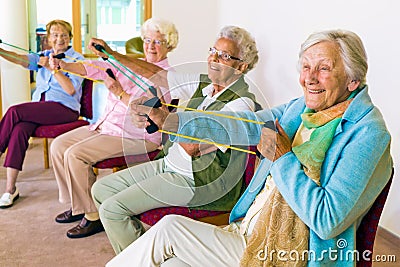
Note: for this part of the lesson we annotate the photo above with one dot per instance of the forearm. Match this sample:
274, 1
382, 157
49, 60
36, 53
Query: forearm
171, 123
116, 89
15, 58
221, 130
75, 67
148, 70
125, 97
64, 82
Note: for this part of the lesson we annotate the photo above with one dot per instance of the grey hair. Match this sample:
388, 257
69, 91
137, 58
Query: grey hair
244, 41
351, 49
163, 26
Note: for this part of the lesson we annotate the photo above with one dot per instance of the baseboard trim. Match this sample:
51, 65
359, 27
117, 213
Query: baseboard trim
389, 236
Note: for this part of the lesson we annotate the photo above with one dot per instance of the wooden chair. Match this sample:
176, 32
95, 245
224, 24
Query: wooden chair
366, 232
52, 131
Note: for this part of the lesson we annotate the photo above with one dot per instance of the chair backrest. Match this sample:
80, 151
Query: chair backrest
366, 232
251, 165
135, 46
87, 99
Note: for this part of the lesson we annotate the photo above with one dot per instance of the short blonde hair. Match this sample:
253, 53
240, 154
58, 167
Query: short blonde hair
164, 27
61, 23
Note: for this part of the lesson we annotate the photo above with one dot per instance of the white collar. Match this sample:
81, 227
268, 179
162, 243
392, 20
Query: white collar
209, 89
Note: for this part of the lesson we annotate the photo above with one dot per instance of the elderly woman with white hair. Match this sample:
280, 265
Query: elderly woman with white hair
74, 153
189, 175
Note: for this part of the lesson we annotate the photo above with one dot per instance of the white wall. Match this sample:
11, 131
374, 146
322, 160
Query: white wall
47, 11
279, 28
196, 22
15, 81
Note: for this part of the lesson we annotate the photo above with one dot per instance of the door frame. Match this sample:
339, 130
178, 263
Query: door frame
76, 21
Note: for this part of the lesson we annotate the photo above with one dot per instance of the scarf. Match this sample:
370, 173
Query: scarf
278, 228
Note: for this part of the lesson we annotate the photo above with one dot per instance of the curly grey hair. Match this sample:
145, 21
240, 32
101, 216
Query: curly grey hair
245, 42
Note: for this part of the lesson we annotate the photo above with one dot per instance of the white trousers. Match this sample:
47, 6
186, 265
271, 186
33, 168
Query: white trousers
180, 241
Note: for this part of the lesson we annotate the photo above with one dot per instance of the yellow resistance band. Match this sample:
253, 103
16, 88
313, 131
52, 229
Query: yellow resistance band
208, 142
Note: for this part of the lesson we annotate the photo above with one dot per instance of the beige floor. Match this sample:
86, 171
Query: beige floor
30, 237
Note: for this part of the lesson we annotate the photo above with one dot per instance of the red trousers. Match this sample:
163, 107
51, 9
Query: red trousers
19, 123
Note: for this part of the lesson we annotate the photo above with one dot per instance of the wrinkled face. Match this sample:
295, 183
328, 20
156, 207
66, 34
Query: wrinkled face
59, 39
323, 77
155, 46
223, 71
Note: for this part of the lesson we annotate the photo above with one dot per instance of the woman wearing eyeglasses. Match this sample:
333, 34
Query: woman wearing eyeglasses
203, 177
56, 100
74, 153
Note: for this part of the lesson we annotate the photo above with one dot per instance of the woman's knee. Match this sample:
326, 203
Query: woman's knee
97, 192
12, 110
73, 155
171, 219
110, 209
103, 189
58, 146
15, 112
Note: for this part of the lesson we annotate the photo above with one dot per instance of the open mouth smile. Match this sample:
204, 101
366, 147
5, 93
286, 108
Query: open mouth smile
315, 91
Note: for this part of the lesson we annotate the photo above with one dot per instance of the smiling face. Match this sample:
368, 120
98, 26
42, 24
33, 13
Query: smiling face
59, 38
224, 72
157, 48
323, 76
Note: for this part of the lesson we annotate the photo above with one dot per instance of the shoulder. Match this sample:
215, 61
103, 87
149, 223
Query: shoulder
179, 78
163, 63
294, 106
363, 111
72, 53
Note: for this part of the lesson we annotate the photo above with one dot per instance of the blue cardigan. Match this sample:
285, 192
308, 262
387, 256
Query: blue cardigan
46, 82
356, 168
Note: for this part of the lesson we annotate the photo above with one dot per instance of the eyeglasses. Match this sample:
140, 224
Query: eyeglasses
222, 55
56, 35
157, 42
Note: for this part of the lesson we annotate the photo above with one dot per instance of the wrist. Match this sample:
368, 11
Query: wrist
57, 69
119, 96
170, 122
61, 64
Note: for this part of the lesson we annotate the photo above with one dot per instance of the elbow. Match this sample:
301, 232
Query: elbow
325, 234
326, 225
71, 92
